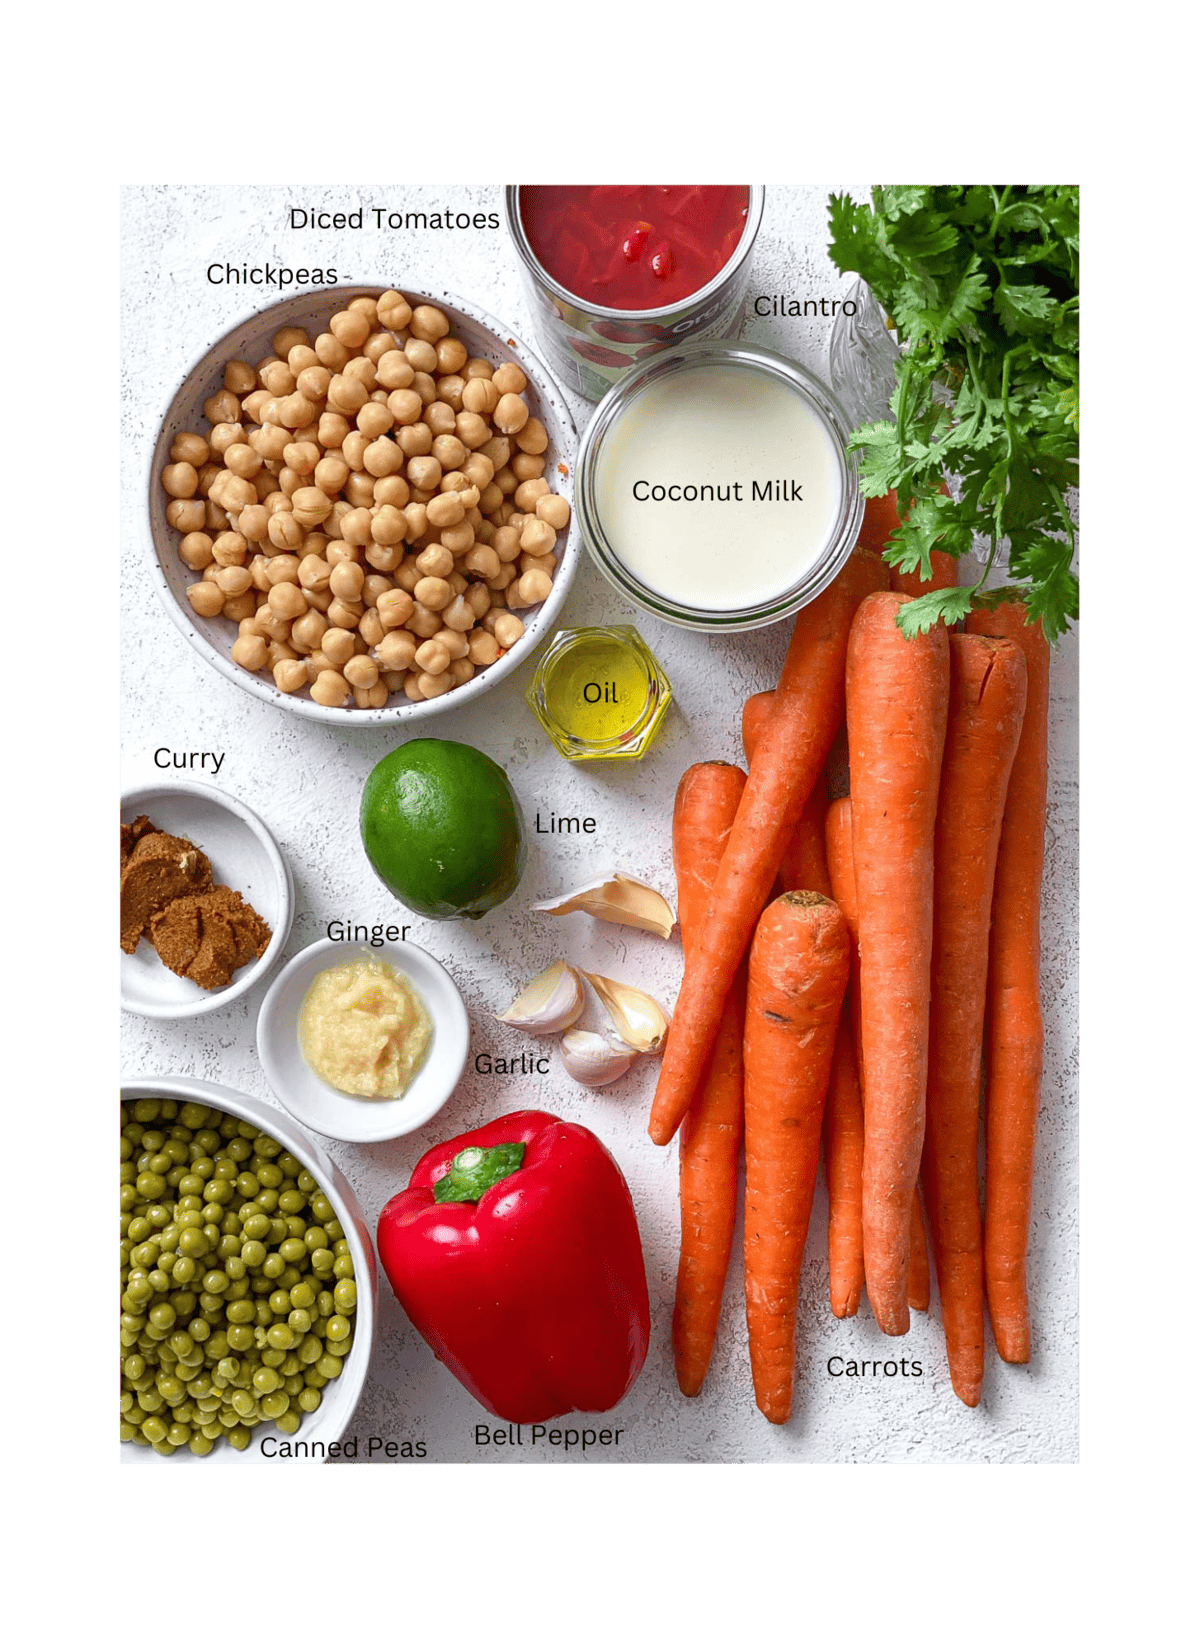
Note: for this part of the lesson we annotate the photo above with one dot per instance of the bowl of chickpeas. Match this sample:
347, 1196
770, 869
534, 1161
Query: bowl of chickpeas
360, 504
248, 1278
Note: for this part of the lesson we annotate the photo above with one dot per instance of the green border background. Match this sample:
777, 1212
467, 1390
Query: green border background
561, 1557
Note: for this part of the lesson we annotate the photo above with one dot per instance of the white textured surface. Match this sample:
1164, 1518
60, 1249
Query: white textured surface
306, 780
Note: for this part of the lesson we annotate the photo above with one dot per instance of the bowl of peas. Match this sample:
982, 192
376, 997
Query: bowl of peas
248, 1280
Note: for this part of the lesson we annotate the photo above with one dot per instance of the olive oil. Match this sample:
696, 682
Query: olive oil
600, 694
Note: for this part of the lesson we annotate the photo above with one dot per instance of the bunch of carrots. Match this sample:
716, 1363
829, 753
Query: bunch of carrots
850, 1010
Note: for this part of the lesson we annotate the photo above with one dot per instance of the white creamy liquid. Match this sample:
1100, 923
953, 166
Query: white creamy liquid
729, 428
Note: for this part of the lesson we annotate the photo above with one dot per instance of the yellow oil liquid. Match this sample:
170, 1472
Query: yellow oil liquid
596, 690
600, 694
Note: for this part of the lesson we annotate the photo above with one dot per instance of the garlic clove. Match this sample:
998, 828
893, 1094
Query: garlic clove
638, 1018
616, 899
548, 1003
595, 1058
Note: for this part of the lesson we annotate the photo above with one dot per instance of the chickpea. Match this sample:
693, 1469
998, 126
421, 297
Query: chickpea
449, 450
446, 510
423, 622
222, 436
439, 418
270, 442
190, 449
451, 355
504, 577
533, 438
453, 641
433, 657
482, 561
289, 338
360, 370
394, 370
554, 510
420, 355
250, 652
478, 469
450, 389
253, 523
459, 615
374, 419
392, 489
351, 328
215, 518
482, 649
472, 430
458, 539
370, 628
332, 430
433, 593
344, 614
508, 630
239, 377
346, 394
375, 585
346, 580
395, 609
319, 601
424, 473
252, 406
307, 631
283, 569
229, 549
537, 537
371, 698
435, 561
429, 323
314, 573
287, 601
388, 525
277, 377
301, 456
354, 449
383, 457
330, 351
507, 482
285, 531
418, 520
533, 587
478, 598
498, 451
180, 480
238, 607
415, 440
526, 467
361, 672
507, 543
331, 689
393, 311
528, 493
277, 650
480, 395
511, 413
196, 550
405, 405
397, 650
222, 408
509, 379
356, 526
338, 647
432, 687
476, 367
384, 556
205, 599
360, 490
290, 675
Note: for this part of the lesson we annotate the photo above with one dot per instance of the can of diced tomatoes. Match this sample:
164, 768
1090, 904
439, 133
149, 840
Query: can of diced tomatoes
615, 242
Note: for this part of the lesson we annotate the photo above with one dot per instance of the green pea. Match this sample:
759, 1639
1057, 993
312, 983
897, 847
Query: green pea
183, 1270
334, 1231
280, 1302
193, 1114
343, 1266
239, 1436
329, 1365
235, 1268
229, 1246
268, 1176
279, 1229
238, 1149
321, 1206
248, 1186
289, 1422
292, 1249
274, 1265
256, 1227
162, 1315
150, 1185
153, 1429
225, 1169
291, 1364
337, 1328
309, 1400
145, 1110
243, 1403
268, 1201
241, 1337
275, 1405
184, 1302
211, 1304
323, 1262
215, 1282
240, 1311
299, 1322
265, 1380
201, 1444
218, 1191
281, 1337
271, 1356
139, 1291
193, 1243
179, 1434
290, 1276
291, 1202
253, 1253
295, 1225
345, 1295
181, 1344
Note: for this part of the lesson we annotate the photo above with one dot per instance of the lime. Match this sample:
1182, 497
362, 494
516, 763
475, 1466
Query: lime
443, 829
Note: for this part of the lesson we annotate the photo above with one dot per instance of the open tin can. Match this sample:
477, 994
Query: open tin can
589, 346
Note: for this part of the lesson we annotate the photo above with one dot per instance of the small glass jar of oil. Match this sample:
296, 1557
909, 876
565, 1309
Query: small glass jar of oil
600, 694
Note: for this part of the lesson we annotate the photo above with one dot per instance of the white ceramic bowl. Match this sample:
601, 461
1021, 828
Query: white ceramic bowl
245, 857
340, 1397
250, 340
340, 1116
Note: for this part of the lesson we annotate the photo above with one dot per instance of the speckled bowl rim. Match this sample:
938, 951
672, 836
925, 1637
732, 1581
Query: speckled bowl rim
552, 407
385, 1119
348, 1210
250, 976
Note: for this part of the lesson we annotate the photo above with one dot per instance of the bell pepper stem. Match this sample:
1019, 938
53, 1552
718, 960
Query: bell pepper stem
476, 1169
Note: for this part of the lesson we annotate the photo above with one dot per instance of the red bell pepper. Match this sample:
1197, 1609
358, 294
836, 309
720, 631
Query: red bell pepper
515, 1252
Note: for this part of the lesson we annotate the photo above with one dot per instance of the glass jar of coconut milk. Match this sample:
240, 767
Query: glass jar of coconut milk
714, 488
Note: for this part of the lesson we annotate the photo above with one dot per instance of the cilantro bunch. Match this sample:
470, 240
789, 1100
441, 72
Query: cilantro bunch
982, 284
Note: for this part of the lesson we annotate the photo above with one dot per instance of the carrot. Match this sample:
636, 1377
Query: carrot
1014, 1034
880, 520
804, 721
803, 862
711, 1136
799, 965
987, 703
896, 701
844, 1112
918, 1257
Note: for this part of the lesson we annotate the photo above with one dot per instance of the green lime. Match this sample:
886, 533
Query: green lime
443, 829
